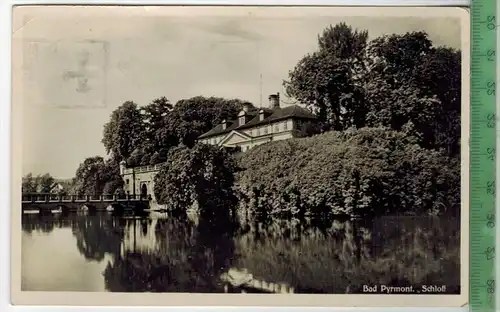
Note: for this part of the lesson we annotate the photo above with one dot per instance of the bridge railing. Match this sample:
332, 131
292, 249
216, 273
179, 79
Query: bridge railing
66, 197
40, 198
146, 168
109, 197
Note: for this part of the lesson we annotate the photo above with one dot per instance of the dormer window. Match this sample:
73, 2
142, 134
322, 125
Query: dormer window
242, 118
261, 115
224, 124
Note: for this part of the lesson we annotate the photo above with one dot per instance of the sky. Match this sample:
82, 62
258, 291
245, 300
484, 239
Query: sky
76, 66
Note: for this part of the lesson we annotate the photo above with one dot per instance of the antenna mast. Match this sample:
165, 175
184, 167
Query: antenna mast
260, 104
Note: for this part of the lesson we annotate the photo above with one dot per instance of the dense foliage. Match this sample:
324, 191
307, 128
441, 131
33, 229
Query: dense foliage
159, 126
192, 117
124, 131
393, 81
95, 176
327, 81
203, 175
40, 183
369, 171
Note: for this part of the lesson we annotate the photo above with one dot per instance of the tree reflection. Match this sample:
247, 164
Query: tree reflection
42, 223
185, 257
339, 256
313, 255
97, 235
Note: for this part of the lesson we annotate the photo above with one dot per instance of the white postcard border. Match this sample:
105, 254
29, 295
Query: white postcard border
150, 299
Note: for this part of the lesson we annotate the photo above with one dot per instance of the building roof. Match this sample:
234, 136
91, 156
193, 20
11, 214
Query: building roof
270, 116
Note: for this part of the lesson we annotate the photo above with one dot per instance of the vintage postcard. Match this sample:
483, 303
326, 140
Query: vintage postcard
263, 156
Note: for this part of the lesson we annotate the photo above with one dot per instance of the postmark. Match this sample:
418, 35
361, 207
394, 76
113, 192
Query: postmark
65, 74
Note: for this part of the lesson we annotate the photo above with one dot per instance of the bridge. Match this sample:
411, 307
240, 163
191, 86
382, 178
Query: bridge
53, 203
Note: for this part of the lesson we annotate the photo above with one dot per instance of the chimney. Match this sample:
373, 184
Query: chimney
224, 124
274, 100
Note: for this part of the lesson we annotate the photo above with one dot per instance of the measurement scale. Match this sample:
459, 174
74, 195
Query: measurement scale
483, 156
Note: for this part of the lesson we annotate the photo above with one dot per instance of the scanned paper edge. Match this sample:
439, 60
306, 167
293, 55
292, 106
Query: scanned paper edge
19, 297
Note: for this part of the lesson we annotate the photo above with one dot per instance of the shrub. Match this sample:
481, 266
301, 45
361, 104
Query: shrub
366, 171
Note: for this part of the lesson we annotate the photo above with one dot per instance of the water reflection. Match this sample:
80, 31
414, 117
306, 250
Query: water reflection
161, 254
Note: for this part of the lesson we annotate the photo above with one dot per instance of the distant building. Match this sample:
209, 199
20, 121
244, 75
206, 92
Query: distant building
57, 188
256, 127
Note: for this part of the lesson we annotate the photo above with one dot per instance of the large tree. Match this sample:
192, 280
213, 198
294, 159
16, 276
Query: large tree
45, 182
89, 177
396, 81
192, 117
155, 119
411, 83
29, 184
125, 131
327, 81
202, 175
95, 176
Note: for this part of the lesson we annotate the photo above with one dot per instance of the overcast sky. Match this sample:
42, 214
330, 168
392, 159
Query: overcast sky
77, 68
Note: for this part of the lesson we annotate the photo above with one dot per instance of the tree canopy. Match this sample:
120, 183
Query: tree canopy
144, 135
95, 176
203, 175
328, 79
40, 183
192, 117
125, 130
395, 81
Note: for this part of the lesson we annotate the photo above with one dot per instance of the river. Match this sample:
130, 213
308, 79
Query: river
155, 253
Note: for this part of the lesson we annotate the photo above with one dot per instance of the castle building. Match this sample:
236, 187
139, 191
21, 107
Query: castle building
256, 127
250, 129
139, 180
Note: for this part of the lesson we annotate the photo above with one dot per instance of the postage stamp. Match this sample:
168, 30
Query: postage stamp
243, 156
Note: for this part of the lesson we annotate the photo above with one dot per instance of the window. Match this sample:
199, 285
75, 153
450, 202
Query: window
243, 148
285, 125
128, 181
242, 120
265, 130
276, 128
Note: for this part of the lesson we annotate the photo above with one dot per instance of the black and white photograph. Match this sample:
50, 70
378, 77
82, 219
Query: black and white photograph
243, 152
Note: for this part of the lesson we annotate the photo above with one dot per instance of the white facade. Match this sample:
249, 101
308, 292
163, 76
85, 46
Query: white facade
248, 138
139, 180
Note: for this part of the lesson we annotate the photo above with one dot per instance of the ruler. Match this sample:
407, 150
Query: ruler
483, 156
